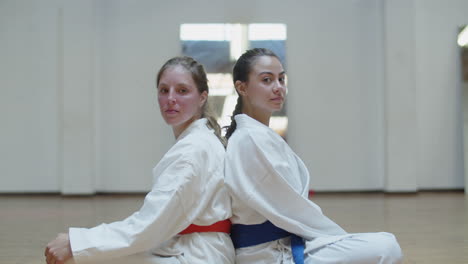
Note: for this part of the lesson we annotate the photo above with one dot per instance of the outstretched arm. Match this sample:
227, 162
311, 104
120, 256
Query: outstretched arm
165, 212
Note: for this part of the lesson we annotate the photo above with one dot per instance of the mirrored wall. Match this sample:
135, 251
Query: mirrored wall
462, 42
218, 46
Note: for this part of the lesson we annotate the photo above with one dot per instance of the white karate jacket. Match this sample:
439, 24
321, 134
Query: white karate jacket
268, 181
188, 189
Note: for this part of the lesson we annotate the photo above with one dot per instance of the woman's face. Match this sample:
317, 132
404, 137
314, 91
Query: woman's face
265, 89
180, 102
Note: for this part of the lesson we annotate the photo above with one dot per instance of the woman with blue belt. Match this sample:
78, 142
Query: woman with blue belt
273, 219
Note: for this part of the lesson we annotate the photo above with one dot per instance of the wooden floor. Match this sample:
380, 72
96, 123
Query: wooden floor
432, 227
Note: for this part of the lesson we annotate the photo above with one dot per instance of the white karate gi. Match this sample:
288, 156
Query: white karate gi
268, 181
188, 189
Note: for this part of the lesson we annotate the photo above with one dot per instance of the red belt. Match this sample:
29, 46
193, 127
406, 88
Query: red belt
221, 226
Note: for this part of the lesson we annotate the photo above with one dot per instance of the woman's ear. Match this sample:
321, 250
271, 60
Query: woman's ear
203, 98
241, 87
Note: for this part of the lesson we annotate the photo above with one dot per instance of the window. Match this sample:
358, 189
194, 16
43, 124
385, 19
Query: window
217, 47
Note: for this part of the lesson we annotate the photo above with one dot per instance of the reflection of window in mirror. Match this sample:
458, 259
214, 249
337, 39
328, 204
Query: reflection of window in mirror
217, 47
463, 43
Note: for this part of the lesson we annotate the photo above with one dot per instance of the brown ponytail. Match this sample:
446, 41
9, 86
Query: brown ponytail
212, 123
237, 110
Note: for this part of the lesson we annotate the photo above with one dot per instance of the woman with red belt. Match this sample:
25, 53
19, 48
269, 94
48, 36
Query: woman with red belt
184, 217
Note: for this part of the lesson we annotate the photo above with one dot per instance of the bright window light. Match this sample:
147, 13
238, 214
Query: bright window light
239, 41
236, 38
267, 32
220, 84
463, 37
279, 124
213, 32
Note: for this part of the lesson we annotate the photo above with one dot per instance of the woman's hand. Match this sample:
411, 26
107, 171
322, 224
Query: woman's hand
58, 251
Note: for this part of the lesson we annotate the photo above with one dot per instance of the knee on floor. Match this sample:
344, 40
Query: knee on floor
388, 247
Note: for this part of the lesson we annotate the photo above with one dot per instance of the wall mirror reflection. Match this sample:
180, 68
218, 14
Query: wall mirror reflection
462, 42
218, 46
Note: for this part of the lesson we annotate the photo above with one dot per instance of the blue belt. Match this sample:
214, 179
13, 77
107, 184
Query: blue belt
251, 235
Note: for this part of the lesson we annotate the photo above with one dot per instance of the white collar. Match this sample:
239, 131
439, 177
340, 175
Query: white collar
243, 120
195, 125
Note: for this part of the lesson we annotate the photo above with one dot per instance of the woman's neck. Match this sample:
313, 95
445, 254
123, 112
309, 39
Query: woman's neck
179, 129
261, 117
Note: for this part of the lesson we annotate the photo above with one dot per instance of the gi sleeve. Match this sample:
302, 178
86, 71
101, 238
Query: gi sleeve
257, 170
168, 208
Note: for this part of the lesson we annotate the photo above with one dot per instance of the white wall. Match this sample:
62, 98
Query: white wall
94, 124
438, 85
335, 57
78, 87
134, 40
29, 100
400, 92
